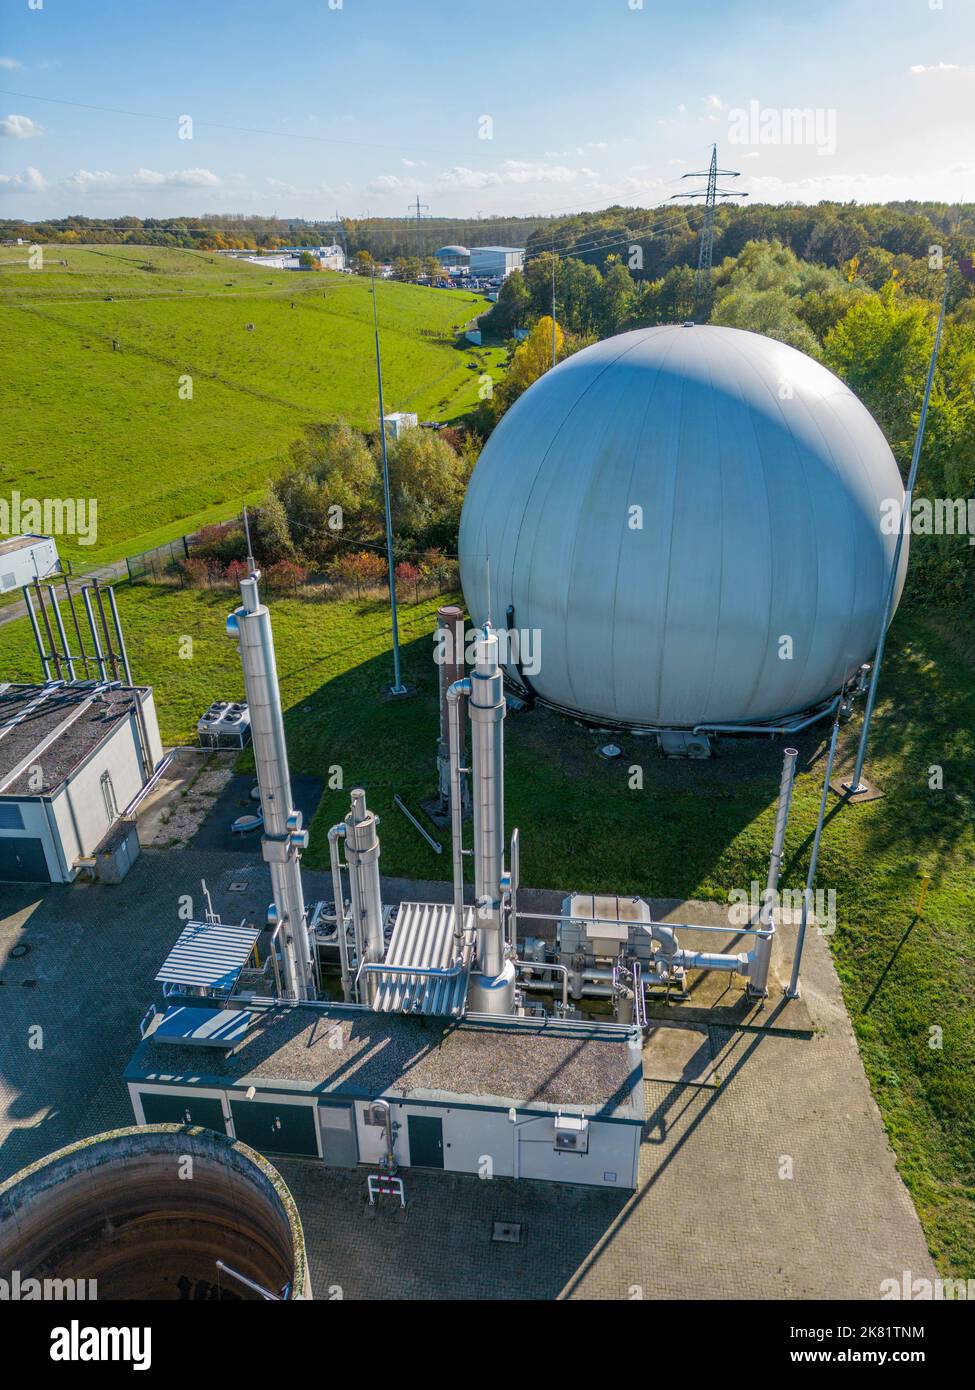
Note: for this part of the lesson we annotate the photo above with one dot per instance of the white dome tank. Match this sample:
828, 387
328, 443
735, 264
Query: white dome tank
689, 517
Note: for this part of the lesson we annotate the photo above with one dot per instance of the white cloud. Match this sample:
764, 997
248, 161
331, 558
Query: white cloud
30, 180
919, 183
386, 183
514, 172
102, 181
918, 69
462, 177
19, 127
10, 64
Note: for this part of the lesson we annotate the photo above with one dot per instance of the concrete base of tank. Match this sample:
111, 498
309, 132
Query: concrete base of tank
146, 1212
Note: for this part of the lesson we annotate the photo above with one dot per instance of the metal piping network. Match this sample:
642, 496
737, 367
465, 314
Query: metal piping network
283, 838
492, 988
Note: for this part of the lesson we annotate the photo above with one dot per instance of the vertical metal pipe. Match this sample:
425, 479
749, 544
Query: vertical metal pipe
855, 785
83, 655
283, 838
116, 623
761, 956
793, 991
112, 657
362, 854
42, 654
450, 623
398, 687
52, 649
515, 879
492, 988
453, 697
95, 639
334, 835
62, 634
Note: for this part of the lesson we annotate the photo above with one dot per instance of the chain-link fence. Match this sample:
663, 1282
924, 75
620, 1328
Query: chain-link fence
151, 564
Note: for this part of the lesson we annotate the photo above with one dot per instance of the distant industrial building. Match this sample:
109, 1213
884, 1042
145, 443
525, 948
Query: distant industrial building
26, 558
486, 262
453, 257
289, 257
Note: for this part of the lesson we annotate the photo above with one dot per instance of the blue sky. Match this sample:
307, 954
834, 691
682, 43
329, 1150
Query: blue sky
311, 106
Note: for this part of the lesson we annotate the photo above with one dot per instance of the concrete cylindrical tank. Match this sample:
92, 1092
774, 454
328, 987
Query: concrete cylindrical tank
147, 1212
695, 524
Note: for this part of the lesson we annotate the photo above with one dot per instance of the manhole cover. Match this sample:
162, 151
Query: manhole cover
507, 1232
239, 885
18, 951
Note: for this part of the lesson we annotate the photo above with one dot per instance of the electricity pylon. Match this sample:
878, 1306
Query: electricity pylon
710, 194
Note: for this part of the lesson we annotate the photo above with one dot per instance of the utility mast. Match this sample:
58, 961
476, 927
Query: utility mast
419, 208
710, 194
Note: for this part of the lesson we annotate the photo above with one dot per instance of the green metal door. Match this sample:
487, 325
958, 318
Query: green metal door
426, 1141
181, 1108
272, 1127
22, 860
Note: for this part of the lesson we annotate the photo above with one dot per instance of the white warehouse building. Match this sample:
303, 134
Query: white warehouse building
26, 558
488, 261
72, 758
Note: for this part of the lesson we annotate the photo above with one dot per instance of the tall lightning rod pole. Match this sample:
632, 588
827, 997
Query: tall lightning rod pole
251, 566
397, 688
554, 335
855, 785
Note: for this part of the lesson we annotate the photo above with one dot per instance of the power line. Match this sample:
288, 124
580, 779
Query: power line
572, 248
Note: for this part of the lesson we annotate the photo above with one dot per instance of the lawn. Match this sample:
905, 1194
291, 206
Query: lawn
100, 353
695, 830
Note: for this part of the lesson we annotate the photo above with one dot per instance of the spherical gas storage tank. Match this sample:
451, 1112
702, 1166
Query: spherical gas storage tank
691, 518
146, 1212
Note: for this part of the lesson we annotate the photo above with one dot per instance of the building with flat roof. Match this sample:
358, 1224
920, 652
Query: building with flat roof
547, 1099
72, 758
25, 558
486, 262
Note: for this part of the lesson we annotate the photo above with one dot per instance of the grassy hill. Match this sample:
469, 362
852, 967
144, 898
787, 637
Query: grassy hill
98, 346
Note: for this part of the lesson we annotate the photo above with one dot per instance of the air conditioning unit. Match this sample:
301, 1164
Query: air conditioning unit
571, 1134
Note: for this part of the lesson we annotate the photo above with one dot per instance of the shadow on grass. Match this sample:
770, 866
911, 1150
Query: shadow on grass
586, 825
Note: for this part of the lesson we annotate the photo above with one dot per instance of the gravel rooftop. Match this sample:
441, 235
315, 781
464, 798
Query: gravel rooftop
25, 729
366, 1055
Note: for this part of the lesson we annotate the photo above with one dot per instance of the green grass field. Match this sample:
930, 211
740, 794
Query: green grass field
695, 830
159, 464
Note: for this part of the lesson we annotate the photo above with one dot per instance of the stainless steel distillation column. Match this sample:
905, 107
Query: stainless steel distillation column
283, 838
365, 892
492, 987
760, 958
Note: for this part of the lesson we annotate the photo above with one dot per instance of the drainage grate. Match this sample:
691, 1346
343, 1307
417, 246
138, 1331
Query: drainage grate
239, 885
507, 1232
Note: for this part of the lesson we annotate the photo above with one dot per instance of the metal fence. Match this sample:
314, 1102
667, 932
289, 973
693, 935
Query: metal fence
153, 563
